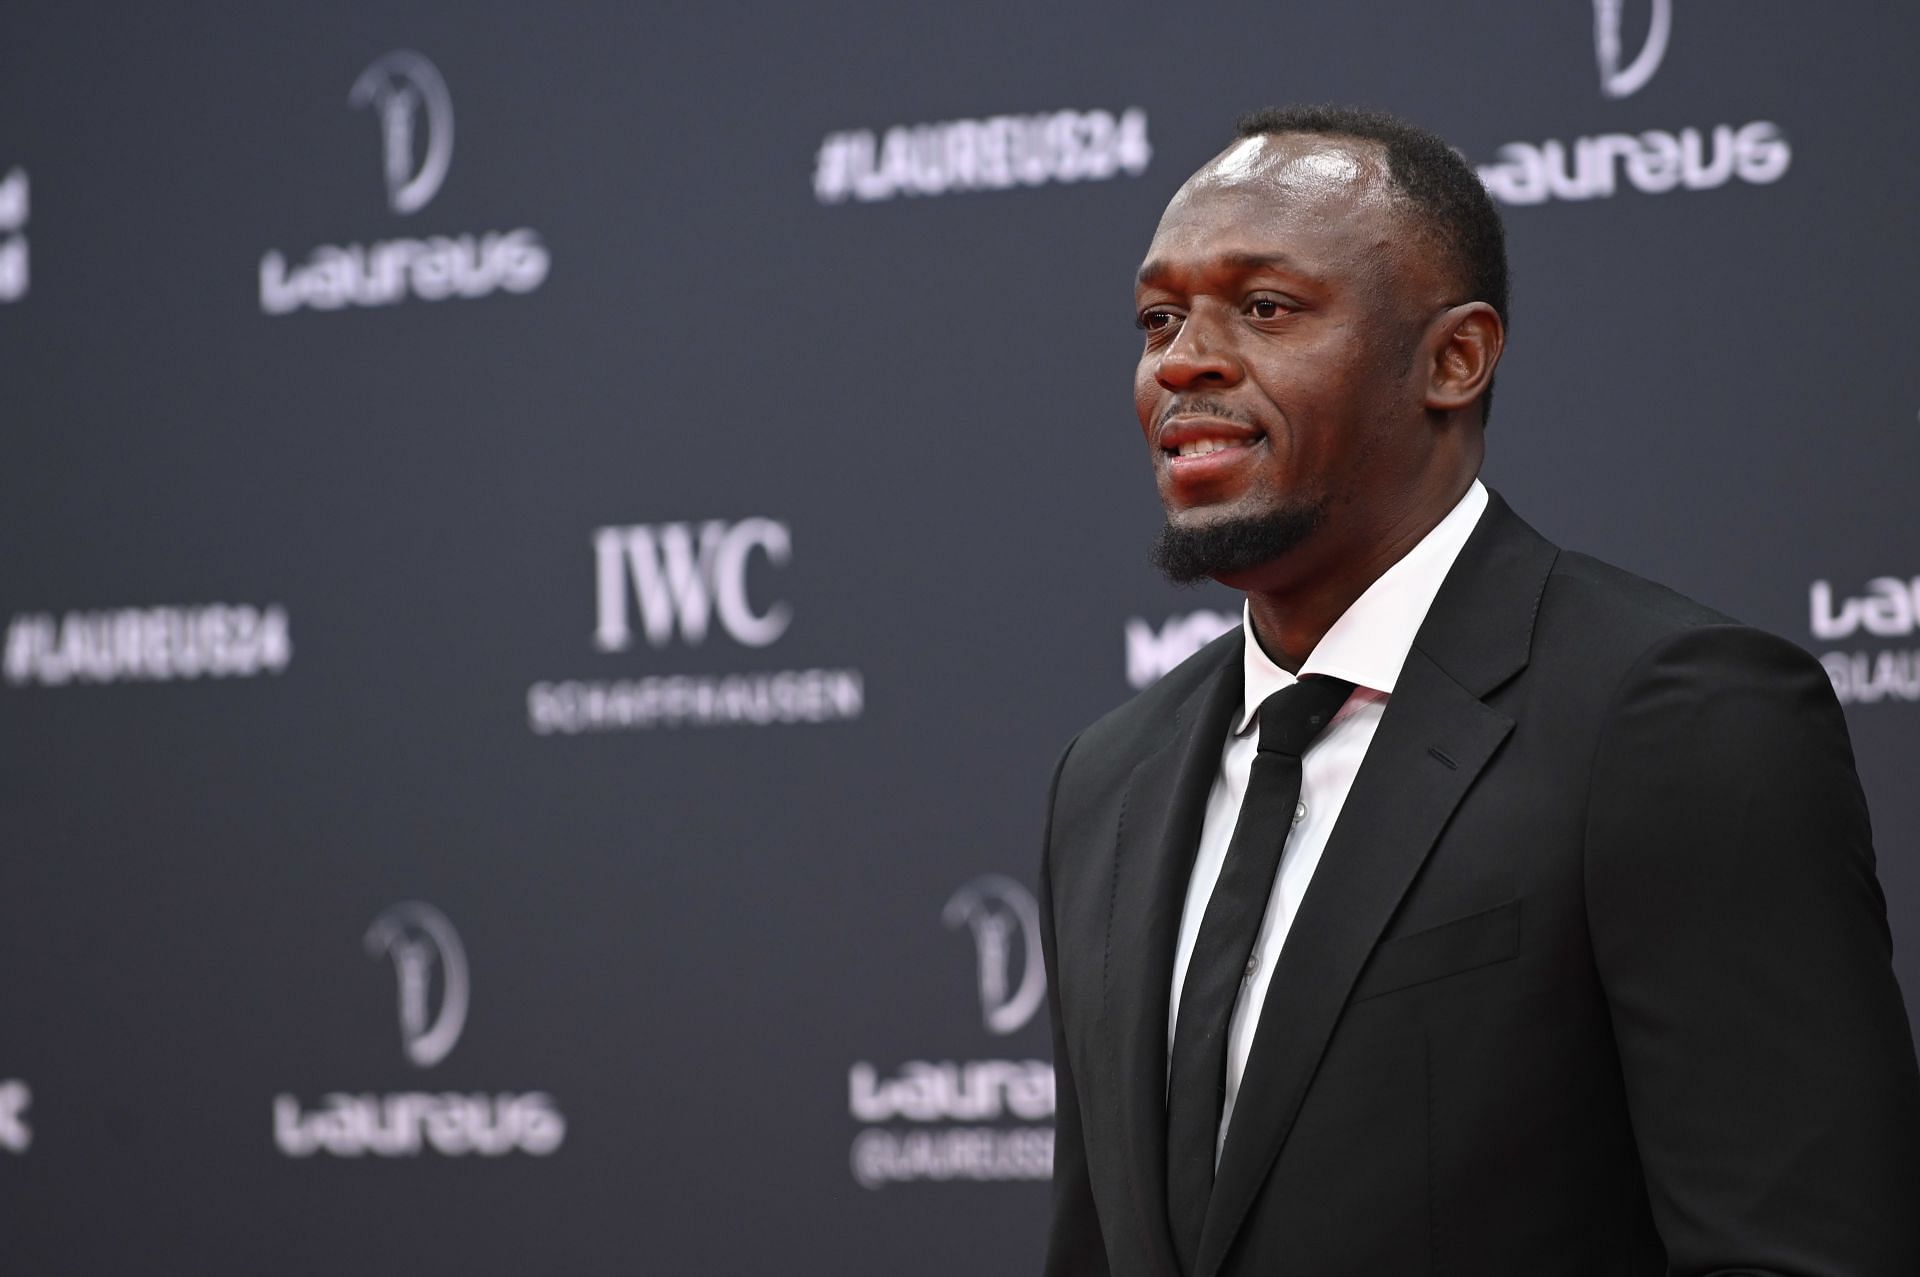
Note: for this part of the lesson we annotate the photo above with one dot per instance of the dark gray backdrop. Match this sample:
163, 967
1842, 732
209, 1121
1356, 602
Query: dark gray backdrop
738, 957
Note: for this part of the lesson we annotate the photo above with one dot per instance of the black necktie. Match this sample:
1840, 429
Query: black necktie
1290, 719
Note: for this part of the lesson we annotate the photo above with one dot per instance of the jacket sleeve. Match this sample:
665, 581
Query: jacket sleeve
1074, 1244
1741, 937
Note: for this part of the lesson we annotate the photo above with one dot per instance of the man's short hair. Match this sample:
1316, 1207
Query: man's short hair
1437, 184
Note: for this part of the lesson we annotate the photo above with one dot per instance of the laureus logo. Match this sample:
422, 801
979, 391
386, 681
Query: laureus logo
405, 90
353, 1123
1004, 918
415, 116
948, 1119
1869, 670
1651, 161
1618, 81
419, 939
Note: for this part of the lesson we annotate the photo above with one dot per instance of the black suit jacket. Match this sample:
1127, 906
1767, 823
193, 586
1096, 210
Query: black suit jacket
1593, 977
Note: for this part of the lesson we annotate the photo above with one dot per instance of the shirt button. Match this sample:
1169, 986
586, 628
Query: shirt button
1299, 812
1253, 965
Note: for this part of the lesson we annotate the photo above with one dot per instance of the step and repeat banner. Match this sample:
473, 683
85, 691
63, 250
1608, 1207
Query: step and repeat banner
548, 552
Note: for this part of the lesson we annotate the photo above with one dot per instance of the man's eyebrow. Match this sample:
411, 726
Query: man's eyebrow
1243, 263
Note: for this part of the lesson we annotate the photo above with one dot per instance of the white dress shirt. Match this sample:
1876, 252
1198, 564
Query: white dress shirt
1367, 646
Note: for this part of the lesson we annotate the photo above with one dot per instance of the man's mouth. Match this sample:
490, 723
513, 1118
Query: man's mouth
1192, 437
1200, 453
1201, 447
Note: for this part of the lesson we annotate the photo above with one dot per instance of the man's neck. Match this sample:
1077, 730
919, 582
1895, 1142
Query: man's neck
1293, 613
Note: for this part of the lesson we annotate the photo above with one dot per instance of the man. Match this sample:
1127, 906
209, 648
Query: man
1476, 908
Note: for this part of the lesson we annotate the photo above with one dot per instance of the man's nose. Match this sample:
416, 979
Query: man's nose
1201, 353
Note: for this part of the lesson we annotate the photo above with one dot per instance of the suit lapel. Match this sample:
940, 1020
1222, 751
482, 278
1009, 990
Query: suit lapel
1399, 802
1433, 741
1164, 804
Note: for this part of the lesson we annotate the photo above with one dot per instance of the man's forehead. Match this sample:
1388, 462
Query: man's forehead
1263, 194
1292, 161
1291, 169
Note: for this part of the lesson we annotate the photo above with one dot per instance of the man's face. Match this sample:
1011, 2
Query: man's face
1279, 387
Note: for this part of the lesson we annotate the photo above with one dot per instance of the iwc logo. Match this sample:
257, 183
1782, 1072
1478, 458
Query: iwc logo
408, 98
680, 578
987, 1119
1651, 161
675, 587
430, 970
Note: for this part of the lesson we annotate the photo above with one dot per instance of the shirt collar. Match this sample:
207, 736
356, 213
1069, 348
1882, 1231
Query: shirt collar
1369, 643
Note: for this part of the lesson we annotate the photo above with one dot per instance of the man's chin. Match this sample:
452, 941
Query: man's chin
1220, 549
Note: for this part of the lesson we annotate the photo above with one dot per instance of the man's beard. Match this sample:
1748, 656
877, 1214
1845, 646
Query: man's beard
1228, 547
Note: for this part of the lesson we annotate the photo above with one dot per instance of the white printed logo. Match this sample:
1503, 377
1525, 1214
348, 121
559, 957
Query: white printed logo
1003, 917
994, 154
1652, 161
1622, 82
15, 204
420, 940
967, 1119
683, 577
15, 1135
1888, 609
150, 644
415, 115
673, 584
1152, 654
404, 88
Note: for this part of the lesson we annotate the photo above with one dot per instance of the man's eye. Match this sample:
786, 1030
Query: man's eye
1154, 320
1266, 308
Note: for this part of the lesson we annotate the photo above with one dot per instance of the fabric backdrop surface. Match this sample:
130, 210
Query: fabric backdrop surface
549, 551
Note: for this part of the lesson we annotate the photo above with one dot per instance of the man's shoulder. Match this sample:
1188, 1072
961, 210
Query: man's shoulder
1141, 724
1614, 623
1618, 604
1510, 580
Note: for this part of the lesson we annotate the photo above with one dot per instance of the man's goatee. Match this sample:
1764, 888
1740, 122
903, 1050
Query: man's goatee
1227, 547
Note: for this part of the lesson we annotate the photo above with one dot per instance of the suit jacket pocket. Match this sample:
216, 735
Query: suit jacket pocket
1477, 940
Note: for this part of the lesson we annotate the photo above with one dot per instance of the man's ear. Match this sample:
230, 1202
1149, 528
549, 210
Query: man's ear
1466, 342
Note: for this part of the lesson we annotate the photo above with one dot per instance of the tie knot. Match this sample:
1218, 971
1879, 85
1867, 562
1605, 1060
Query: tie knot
1292, 717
